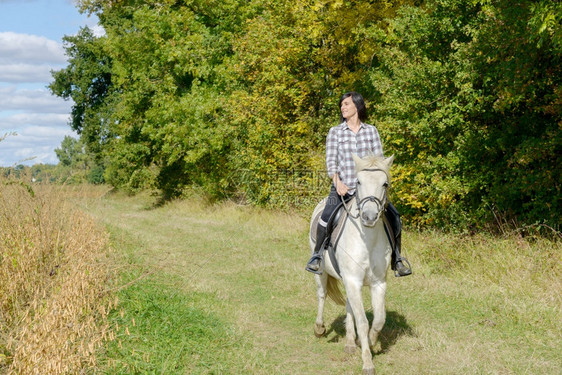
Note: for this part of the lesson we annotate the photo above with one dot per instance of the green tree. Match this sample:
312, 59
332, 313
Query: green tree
206, 89
167, 59
71, 153
227, 94
468, 99
87, 81
291, 63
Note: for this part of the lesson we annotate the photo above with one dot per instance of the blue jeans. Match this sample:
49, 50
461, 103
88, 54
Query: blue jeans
333, 201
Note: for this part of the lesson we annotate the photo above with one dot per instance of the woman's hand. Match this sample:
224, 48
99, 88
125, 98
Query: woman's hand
341, 188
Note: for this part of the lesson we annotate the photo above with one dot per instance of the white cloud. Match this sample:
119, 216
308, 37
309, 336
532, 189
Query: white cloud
25, 48
9, 123
33, 101
25, 73
98, 30
32, 145
26, 59
39, 119
43, 133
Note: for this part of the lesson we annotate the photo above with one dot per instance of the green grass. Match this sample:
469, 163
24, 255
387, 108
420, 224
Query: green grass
161, 331
228, 294
158, 327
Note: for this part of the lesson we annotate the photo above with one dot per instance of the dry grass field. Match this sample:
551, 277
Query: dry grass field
53, 276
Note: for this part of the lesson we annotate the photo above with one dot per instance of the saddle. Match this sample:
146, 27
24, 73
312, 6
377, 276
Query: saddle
334, 229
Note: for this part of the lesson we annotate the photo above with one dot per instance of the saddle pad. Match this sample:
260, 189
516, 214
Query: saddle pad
337, 227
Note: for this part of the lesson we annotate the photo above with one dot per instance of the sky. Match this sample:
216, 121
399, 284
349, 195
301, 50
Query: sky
34, 121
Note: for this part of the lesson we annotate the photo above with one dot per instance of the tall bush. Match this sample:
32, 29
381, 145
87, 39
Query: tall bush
237, 98
468, 99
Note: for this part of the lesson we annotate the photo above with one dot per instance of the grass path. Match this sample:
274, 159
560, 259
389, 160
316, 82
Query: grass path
239, 271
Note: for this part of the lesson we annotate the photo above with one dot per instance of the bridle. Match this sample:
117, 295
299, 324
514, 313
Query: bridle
381, 203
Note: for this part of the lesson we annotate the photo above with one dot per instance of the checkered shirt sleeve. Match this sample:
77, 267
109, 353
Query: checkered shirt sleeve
332, 151
341, 143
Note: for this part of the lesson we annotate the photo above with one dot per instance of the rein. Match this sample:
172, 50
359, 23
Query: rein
371, 198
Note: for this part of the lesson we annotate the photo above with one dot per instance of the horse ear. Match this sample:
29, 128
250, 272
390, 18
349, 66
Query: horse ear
356, 159
389, 161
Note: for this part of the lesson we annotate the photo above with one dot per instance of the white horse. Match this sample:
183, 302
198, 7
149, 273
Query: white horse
363, 254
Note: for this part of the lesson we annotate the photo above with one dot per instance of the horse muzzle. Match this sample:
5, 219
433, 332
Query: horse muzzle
369, 217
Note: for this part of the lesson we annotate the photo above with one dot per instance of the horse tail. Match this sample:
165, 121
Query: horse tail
334, 291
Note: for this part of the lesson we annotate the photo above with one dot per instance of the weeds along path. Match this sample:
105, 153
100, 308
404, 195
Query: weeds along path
246, 267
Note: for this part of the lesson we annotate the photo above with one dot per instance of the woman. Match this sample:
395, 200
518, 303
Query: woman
352, 136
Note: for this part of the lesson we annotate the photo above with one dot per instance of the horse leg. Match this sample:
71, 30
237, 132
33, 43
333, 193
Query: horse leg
350, 336
356, 303
321, 283
378, 292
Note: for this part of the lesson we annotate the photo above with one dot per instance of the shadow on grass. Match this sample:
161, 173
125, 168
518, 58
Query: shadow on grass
395, 327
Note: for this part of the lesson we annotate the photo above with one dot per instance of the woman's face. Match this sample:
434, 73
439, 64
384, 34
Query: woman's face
348, 108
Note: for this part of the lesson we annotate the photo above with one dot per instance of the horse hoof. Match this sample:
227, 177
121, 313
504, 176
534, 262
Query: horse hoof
319, 330
369, 372
349, 349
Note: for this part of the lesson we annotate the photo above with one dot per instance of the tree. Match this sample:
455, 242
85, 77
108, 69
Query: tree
87, 81
468, 99
290, 65
229, 95
71, 153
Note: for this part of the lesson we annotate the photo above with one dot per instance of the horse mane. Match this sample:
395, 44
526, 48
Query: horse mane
371, 161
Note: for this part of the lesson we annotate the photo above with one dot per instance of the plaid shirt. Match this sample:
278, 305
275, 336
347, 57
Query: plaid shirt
342, 142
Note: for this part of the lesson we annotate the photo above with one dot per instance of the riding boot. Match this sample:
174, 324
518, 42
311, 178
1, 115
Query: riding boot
399, 264
400, 269
313, 264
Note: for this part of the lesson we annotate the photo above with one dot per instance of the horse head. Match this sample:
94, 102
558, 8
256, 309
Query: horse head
373, 181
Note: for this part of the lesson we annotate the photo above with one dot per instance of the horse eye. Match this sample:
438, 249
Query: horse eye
358, 182
385, 185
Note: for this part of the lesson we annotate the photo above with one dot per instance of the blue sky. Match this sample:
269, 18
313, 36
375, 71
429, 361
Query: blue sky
31, 33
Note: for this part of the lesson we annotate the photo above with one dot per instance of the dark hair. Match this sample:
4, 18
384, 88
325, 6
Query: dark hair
359, 104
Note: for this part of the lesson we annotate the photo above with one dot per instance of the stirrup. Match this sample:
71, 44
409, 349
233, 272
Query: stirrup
320, 259
404, 262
